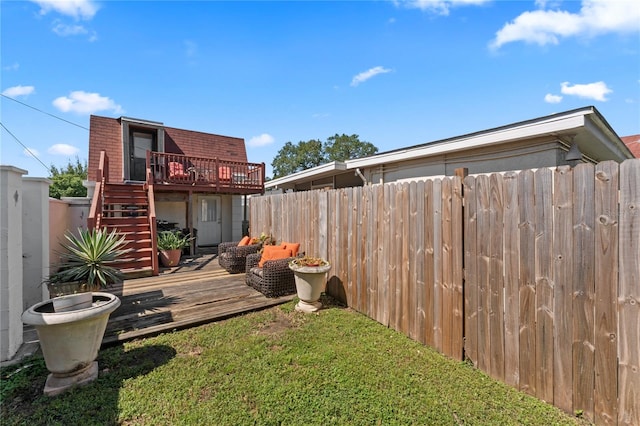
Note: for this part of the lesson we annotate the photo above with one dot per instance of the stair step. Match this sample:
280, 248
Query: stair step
111, 200
132, 273
138, 244
142, 262
125, 227
138, 211
125, 220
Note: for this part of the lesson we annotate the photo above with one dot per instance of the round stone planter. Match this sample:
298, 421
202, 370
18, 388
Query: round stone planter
70, 340
310, 283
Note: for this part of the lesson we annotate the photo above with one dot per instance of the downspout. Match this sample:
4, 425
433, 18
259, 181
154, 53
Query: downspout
245, 223
359, 173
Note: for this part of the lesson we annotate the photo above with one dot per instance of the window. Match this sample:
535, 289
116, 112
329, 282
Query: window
208, 210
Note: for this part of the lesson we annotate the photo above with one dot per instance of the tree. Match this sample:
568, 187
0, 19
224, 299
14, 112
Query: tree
294, 158
305, 155
67, 181
343, 147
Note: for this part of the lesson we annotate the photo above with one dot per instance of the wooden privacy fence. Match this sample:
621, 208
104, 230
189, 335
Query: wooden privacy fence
536, 280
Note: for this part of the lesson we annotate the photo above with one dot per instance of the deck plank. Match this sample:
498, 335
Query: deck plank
190, 295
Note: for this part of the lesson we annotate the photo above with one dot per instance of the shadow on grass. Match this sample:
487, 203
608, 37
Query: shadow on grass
21, 388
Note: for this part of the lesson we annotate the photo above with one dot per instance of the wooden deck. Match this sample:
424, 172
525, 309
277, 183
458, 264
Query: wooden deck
196, 292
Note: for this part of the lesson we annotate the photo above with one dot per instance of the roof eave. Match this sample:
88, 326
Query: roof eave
317, 172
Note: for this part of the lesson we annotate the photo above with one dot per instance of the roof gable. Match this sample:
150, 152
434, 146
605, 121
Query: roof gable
633, 142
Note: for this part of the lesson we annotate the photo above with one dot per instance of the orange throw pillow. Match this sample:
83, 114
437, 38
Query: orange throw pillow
293, 246
244, 241
273, 253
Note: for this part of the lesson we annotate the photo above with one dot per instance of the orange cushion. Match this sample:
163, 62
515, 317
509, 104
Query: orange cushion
244, 241
293, 246
273, 253
224, 172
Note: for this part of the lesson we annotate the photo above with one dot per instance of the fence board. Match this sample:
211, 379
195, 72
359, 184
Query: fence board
544, 285
563, 288
412, 283
404, 259
358, 255
496, 276
429, 272
583, 305
437, 264
606, 273
483, 197
447, 273
421, 303
527, 288
386, 265
629, 295
511, 270
470, 271
457, 255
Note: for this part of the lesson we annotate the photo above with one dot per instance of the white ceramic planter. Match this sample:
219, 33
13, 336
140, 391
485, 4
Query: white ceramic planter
70, 340
310, 283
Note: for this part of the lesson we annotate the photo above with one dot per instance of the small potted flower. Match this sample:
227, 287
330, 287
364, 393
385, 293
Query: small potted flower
310, 281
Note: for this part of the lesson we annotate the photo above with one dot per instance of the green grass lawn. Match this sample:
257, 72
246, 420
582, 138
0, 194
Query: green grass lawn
275, 367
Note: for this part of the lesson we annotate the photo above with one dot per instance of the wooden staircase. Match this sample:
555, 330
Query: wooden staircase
125, 208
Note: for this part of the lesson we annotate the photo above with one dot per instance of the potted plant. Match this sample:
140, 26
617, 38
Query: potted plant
71, 327
88, 262
170, 245
310, 281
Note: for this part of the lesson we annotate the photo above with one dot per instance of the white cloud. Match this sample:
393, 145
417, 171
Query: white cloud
191, 48
548, 26
596, 91
63, 149
82, 102
366, 75
440, 7
31, 152
13, 67
552, 99
15, 91
65, 30
261, 140
78, 9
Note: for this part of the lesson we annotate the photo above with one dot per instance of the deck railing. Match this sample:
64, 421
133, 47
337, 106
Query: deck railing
177, 169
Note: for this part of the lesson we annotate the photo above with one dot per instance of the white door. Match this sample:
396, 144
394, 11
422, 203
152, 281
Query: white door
209, 221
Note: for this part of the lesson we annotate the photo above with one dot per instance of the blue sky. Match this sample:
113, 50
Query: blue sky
396, 73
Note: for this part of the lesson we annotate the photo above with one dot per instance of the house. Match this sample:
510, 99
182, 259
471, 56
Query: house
145, 176
633, 143
541, 142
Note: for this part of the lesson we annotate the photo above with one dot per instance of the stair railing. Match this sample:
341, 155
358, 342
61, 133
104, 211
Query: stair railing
152, 218
97, 202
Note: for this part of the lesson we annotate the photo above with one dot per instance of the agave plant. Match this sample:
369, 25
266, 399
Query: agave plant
88, 258
172, 240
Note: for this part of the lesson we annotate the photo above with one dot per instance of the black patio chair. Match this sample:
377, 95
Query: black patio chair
274, 279
233, 258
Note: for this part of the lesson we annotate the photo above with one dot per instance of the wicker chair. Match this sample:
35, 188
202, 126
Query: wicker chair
274, 279
233, 258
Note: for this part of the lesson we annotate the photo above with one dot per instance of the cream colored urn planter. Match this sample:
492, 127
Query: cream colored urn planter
70, 339
310, 283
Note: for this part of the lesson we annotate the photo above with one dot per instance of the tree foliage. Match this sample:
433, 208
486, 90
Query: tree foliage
67, 181
307, 154
343, 147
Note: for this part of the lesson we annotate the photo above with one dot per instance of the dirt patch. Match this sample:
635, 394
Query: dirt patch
280, 323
